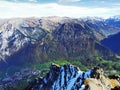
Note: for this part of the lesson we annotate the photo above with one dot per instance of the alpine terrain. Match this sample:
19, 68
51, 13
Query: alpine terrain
28, 46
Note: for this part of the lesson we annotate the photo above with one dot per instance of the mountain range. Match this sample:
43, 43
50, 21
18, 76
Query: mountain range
25, 41
38, 42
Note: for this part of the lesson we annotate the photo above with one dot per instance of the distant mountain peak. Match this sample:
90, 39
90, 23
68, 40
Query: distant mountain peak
116, 17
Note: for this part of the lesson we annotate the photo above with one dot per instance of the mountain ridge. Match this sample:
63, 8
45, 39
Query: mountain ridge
50, 38
112, 42
69, 77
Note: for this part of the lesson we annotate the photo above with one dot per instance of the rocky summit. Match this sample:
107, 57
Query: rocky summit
69, 77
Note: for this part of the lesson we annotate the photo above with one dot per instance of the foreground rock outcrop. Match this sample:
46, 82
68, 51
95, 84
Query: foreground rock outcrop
69, 77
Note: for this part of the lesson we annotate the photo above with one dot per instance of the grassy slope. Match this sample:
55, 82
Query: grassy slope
107, 65
46, 65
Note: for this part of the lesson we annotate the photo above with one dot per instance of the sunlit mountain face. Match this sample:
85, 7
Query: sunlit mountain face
81, 35
43, 43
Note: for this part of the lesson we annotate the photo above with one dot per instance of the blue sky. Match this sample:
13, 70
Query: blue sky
69, 8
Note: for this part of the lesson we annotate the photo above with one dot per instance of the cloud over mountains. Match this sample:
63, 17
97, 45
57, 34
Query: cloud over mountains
37, 8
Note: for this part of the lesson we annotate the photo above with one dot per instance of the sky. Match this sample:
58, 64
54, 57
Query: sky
62, 8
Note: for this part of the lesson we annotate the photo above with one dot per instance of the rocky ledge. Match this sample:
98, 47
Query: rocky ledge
69, 77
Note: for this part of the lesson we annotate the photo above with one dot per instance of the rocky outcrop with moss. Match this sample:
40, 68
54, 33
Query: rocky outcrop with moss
69, 77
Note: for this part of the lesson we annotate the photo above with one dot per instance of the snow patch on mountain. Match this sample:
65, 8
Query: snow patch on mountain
17, 33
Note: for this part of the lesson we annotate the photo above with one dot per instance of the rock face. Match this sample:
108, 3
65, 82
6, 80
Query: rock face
69, 77
98, 80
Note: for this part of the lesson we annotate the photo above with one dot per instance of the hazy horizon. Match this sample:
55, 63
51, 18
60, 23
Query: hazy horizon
62, 8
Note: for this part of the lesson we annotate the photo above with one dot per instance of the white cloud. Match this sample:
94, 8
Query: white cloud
62, 1
116, 4
11, 10
32, 0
